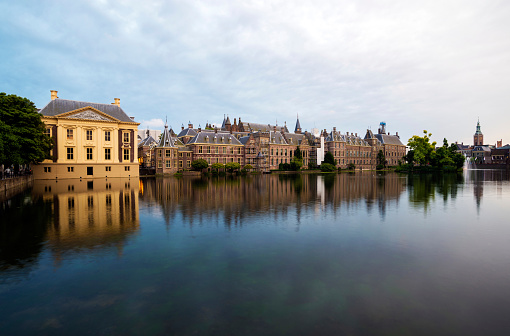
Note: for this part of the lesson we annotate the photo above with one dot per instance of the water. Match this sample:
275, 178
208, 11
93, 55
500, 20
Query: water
348, 254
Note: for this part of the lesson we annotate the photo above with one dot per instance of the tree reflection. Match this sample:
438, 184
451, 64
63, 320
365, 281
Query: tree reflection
423, 188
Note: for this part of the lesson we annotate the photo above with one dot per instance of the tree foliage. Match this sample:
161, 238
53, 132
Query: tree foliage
232, 166
423, 152
217, 166
422, 148
329, 158
381, 159
22, 138
327, 167
199, 164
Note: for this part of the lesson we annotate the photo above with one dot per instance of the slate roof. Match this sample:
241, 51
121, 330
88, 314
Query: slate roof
277, 138
147, 141
214, 138
59, 106
187, 132
166, 139
244, 139
294, 139
389, 139
298, 126
254, 127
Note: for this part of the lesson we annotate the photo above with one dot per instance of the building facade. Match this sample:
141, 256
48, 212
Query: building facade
91, 140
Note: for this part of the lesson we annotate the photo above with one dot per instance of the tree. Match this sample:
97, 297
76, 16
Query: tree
381, 160
329, 158
217, 166
232, 166
199, 164
327, 167
422, 148
351, 166
297, 161
22, 138
298, 154
248, 167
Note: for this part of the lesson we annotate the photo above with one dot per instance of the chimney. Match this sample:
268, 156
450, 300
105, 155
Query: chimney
182, 127
356, 134
199, 128
397, 135
216, 130
132, 118
53, 94
334, 129
117, 102
347, 133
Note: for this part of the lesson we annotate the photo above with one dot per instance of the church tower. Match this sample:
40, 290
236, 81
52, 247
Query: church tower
478, 137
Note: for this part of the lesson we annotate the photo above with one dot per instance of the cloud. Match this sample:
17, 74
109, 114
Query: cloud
153, 124
427, 65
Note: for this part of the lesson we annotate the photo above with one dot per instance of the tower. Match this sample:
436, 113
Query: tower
478, 137
297, 130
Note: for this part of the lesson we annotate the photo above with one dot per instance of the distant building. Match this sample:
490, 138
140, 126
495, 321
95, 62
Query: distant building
91, 140
478, 136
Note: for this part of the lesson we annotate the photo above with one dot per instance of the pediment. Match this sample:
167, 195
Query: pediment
88, 113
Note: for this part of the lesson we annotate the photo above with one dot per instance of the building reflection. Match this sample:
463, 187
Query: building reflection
231, 200
89, 214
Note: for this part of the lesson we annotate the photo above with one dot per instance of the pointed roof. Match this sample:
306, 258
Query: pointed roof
298, 125
478, 130
166, 139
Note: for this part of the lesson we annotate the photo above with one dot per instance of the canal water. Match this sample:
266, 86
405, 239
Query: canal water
348, 254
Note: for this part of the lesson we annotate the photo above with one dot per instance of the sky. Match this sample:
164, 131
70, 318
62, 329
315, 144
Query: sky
417, 65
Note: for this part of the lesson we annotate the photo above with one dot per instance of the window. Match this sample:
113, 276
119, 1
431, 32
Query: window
200, 149
89, 153
168, 164
126, 154
126, 168
108, 168
47, 169
70, 153
188, 154
168, 152
188, 163
160, 165
70, 169
180, 163
159, 153
47, 131
107, 136
107, 154
89, 135
69, 134
125, 137
208, 149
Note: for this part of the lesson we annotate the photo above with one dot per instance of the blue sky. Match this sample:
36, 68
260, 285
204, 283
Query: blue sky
434, 65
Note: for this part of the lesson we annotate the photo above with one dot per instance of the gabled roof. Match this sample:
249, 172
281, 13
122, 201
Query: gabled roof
335, 136
187, 132
295, 139
166, 139
277, 138
59, 106
147, 141
220, 138
386, 139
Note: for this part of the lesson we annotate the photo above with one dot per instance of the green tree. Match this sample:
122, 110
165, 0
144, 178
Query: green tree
297, 161
329, 158
22, 138
327, 167
248, 167
232, 166
422, 148
298, 154
351, 166
199, 164
217, 166
381, 160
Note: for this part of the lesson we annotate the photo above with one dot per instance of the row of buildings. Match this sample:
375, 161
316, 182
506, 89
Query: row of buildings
483, 153
100, 140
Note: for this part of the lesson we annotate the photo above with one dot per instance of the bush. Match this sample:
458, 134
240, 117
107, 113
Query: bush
379, 167
351, 166
327, 167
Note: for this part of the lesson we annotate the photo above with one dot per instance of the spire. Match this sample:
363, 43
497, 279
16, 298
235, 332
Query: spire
297, 130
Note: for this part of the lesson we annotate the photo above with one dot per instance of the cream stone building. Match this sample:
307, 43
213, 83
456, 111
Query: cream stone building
90, 140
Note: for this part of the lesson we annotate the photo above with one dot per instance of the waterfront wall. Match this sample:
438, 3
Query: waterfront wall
11, 186
492, 166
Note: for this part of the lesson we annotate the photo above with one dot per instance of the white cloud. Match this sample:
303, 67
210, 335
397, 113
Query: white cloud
434, 65
153, 124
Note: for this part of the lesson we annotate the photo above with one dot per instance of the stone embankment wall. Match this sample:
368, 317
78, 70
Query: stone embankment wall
11, 186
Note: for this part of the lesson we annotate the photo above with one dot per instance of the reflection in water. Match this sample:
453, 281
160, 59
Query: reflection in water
347, 254
203, 199
89, 214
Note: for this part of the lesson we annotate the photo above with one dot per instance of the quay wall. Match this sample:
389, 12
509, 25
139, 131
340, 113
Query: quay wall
10, 187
